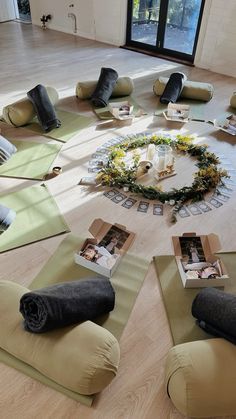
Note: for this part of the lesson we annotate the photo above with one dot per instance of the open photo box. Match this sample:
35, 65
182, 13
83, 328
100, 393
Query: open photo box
177, 112
197, 262
227, 125
121, 110
103, 252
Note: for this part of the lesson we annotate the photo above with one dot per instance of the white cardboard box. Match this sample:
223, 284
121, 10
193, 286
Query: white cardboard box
102, 231
210, 245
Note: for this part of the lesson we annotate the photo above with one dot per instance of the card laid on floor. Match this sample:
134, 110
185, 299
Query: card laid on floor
225, 190
221, 197
88, 180
204, 207
119, 198
111, 194
215, 202
94, 169
183, 212
157, 209
143, 206
129, 203
194, 209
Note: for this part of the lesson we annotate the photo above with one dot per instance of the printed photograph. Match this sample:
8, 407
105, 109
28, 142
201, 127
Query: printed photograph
115, 238
99, 255
192, 250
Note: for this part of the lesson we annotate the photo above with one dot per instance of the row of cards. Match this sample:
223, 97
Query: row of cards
198, 208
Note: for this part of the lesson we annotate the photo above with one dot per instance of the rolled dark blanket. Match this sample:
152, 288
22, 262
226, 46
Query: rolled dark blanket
44, 108
173, 88
7, 216
66, 303
7, 149
104, 88
215, 312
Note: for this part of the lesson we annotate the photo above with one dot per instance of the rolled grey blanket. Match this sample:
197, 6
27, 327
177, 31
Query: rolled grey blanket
104, 88
7, 216
7, 149
66, 303
215, 312
173, 88
44, 108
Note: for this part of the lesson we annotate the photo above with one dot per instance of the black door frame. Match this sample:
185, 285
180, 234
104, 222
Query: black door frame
158, 48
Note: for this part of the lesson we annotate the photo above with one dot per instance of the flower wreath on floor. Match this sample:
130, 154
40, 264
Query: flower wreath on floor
208, 177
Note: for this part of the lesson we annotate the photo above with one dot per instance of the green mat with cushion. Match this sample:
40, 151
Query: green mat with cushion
127, 281
178, 300
71, 124
197, 109
104, 113
31, 161
37, 217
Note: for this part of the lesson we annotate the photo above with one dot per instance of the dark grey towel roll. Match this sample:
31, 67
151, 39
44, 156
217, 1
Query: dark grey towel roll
7, 216
44, 108
215, 311
104, 88
7, 149
173, 88
66, 303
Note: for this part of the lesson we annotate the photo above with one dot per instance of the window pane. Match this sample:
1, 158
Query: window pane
145, 17
181, 25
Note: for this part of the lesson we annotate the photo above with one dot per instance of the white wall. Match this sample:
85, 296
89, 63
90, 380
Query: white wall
217, 40
102, 20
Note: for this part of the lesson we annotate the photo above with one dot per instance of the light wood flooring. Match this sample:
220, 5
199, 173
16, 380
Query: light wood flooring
28, 56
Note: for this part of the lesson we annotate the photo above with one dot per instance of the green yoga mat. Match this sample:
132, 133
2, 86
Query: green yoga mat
71, 124
31, 161
37, 217
104, 113
178, 300
197, 109
127, 281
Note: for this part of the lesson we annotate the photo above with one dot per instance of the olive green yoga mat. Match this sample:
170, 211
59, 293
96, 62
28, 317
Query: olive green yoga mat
196, 113
37, 217
31, 161
178, 300
104, 113
127, 281
71, 124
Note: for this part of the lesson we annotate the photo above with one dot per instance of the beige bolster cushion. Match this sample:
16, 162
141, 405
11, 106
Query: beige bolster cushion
123, 87
191, 90
83, 358
233, 100
22, 112
201, 377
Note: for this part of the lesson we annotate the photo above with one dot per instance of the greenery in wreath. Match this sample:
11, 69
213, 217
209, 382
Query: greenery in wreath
117, 173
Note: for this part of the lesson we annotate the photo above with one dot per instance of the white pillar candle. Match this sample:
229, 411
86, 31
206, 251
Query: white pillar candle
151, 151
161, 163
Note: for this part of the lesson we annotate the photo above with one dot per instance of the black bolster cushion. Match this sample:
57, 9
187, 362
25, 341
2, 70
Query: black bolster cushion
173, 88
215, 311
44, 108
7, 216
66, 304
104, 87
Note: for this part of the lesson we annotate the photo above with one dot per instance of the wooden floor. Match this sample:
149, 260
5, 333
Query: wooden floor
30, 56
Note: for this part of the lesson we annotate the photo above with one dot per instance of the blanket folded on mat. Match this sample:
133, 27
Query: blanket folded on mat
7, 216
173, 88
104, 88
44, 108
66, 303
7, 149
215, 312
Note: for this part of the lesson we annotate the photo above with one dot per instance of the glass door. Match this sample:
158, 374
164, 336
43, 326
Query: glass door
169, 27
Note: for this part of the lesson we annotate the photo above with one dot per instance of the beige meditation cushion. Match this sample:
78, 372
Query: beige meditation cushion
123, 87
83, 358
201, 378
22, 112
191, 90
233, 100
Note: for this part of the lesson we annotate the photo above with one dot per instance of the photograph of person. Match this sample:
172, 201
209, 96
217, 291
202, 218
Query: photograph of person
192, 250
114, 239
100, 255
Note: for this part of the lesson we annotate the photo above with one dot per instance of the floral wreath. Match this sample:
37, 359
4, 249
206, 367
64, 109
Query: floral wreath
208, 177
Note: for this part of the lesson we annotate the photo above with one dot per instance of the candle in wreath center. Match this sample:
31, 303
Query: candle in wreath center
163, 158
